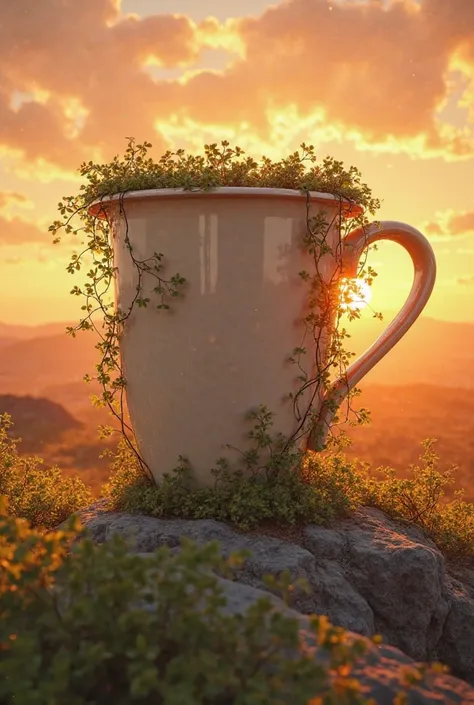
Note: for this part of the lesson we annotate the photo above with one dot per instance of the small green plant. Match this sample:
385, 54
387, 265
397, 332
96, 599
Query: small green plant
418, 501
94, 624
216, 167
317, 488
41, 495
294, 488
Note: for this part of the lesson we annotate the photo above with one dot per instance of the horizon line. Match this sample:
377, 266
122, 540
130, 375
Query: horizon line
364, 319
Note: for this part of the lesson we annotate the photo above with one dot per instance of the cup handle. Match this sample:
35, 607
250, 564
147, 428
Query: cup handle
424, 263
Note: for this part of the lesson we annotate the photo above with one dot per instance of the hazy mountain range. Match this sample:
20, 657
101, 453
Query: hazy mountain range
43, 360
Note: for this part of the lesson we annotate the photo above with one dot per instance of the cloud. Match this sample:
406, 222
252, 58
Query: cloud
81, 51
12, 197
462, 223
467, 281
374, 70
17, 231
371, 73
27, 253
433, 229
450, 223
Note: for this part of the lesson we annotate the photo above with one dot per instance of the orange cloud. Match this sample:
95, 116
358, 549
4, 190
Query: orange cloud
17, 231
379, 72
84, 51
467, 281
433, 229
9, 197
374, 74
451, 223
462, 223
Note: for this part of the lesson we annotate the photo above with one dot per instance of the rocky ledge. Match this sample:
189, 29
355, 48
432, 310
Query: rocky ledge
368, 574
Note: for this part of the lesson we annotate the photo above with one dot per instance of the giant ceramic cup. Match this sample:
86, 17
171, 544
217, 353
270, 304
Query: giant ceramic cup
193, 373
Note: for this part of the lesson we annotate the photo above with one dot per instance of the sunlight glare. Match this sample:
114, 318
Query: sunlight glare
355, 300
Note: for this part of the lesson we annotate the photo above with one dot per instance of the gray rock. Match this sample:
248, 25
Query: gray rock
369, 574
380, 671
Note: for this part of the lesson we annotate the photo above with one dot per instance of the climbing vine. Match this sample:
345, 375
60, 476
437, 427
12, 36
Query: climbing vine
224, 166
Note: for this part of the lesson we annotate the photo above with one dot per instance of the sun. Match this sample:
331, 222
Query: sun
355, 294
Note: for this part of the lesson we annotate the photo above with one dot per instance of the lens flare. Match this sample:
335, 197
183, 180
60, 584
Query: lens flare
355, 294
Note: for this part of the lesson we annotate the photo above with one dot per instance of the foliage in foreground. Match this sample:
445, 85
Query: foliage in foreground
296, 489
95, 625
41, 495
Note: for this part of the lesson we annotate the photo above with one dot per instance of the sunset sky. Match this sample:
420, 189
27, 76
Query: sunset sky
387, 86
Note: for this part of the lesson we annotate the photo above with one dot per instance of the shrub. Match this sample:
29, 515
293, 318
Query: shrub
41, 495
318, 488
96, 625
418, 501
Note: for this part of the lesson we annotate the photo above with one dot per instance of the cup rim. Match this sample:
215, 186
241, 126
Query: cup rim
97, 207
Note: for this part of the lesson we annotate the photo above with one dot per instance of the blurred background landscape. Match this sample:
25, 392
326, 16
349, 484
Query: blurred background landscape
384, 85
410, 397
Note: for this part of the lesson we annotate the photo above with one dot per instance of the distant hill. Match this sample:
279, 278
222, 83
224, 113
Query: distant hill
50, 432
36, 421
30, 365
74, 396
18, 332
44, 361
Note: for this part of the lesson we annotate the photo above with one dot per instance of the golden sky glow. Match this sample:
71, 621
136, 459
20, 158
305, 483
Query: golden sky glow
385, 85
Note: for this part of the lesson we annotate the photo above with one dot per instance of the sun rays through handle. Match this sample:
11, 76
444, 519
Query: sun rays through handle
424, 263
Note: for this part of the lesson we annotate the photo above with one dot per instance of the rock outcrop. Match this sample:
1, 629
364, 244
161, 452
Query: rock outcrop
368, 574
